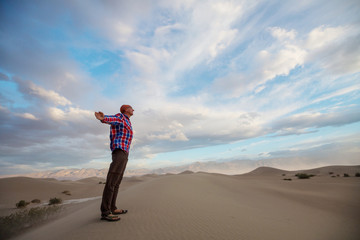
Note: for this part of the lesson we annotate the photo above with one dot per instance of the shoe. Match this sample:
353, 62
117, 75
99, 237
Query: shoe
110, 218
121, 211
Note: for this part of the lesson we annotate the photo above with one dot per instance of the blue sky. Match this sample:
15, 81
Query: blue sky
209, 81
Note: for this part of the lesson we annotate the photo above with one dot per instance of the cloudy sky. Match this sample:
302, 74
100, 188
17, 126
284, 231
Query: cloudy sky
210, 80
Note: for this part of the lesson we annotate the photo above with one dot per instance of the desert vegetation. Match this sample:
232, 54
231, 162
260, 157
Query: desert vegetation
21, 220
55, 200
22, 204
66, 192
36, 201
304, 175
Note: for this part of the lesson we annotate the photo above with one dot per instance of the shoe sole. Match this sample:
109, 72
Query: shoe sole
110, 219
124, 212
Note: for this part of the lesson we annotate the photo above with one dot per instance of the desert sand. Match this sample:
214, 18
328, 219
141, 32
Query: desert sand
258, 205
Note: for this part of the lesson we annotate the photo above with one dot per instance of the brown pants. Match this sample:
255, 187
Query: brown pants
113, 180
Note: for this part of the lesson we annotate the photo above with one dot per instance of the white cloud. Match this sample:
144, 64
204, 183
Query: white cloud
173, 136
114, 21
203, 33
280, 62
148, 60
337, 93
231, 86
282, 34
278, 59
56, 114
318, 119
189, 125
166, 30
335, 49
47, 94
70, 114
322, 36
122, 32
223, 40
27, 116
259, 88
283, 56
30, 89
173, 132
292, 131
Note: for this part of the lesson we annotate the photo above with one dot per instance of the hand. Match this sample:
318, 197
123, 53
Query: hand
99, 115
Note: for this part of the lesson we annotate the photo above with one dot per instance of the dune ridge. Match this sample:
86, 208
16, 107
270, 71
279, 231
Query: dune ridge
326, 170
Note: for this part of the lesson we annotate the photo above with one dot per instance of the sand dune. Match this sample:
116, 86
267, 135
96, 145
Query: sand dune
23, 188
258, 205
322, 171
266, 171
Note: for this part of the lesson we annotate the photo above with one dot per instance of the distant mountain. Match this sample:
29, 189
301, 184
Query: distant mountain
245, 166
230, 168
70, 174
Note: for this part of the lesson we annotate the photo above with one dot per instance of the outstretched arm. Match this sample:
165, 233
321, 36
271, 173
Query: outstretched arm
100, 116
109, 119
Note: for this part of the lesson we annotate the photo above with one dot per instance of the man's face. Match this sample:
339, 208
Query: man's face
129, 111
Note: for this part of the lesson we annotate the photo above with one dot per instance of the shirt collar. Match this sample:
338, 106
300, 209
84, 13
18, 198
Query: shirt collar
126, 116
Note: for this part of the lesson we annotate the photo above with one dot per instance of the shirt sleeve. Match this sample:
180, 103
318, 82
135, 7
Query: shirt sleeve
113, 119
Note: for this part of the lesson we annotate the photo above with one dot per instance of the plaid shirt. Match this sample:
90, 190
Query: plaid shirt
121, 132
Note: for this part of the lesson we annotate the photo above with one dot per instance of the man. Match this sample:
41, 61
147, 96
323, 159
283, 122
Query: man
121, 135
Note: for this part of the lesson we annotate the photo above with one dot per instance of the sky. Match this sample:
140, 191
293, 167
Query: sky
209, 80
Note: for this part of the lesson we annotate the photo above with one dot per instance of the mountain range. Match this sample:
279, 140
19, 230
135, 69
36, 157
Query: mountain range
229, 168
